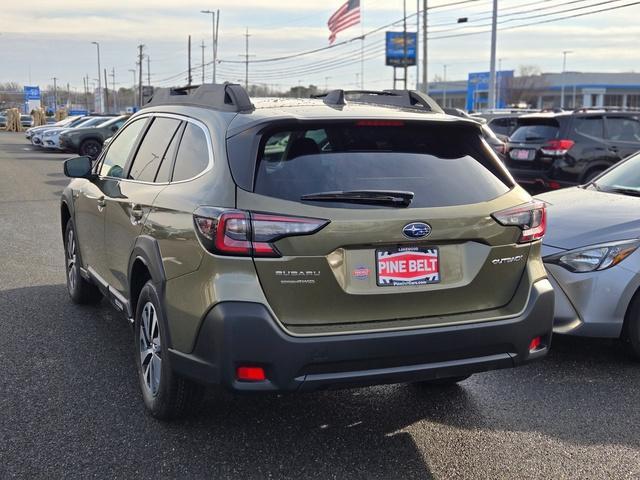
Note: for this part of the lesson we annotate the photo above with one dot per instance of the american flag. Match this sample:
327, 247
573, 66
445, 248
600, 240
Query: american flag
346, 16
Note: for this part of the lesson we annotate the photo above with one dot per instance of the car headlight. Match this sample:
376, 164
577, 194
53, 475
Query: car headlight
595, 257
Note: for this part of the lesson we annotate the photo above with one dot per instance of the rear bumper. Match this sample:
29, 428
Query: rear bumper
237, 333
540, 178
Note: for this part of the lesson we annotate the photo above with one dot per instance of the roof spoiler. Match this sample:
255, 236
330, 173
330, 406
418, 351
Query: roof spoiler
396, 98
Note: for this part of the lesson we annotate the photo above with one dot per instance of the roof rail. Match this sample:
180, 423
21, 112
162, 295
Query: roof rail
607, 109
396, 98
228, 97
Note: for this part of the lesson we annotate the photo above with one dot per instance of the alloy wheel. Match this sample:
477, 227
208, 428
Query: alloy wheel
72, 271
150, 348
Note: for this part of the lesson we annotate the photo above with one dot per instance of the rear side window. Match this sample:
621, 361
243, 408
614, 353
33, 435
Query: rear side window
589, 126
623, 129
441, 165
193, 154
534, 133
152, 151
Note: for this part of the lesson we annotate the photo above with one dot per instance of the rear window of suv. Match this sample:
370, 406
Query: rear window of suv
534, 132
441, 164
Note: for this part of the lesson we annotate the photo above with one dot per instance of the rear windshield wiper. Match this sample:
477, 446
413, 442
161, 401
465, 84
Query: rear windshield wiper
370, 197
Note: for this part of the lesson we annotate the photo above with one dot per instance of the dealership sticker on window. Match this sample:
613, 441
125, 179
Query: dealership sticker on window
407, 266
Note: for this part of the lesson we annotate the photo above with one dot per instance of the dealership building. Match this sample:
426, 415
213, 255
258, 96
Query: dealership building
547, 90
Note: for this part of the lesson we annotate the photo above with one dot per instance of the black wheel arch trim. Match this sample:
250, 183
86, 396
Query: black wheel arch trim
147, 251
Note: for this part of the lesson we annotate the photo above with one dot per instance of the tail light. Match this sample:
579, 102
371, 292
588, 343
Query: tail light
530, 217
242, 233
557, 148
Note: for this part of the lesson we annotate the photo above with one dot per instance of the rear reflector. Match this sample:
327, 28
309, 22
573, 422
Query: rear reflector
530, 217
250, 374
535, 344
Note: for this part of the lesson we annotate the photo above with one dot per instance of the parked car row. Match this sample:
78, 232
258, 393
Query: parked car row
84, 135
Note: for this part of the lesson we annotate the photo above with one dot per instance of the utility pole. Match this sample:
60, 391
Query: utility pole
189, 79
246, 60
564, 67
140, 47
148, 70
55, 94
68, 95
202, 47
106, 92
492, 74
85, 81
113, 86
99, 103
404, 41
133, 89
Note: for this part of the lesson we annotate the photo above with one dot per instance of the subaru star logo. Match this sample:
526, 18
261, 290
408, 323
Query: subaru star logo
416, 230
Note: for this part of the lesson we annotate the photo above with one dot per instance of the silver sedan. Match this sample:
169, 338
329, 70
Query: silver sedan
591, 253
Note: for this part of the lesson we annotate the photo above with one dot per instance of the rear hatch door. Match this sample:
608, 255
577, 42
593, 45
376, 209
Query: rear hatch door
525, 143
442, 254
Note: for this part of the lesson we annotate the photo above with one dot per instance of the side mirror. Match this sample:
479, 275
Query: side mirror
78, 167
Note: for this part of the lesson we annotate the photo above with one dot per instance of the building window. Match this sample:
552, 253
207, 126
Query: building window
633, 101
613, 100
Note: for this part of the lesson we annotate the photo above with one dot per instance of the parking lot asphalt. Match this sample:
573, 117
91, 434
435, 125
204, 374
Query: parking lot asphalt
70, 406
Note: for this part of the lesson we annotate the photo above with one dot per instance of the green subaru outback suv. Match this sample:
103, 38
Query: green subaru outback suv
292, 245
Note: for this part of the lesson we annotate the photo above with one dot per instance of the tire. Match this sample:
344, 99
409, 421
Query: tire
90, 148
632, 327
165, 394
80, 290
442, 382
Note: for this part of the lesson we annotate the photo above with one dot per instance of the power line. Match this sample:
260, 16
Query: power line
344, 62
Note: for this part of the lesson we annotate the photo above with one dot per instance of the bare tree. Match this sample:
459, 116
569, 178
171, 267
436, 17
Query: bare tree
524, 88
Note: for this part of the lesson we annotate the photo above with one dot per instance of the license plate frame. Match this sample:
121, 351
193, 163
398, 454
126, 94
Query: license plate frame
390, 272
522, 154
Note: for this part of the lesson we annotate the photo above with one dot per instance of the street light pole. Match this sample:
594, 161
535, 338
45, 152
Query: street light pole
100, 107
492, 74
133, 89
215, 22
564, 67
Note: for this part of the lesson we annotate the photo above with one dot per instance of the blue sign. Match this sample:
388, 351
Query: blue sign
395, 50
31, 93
478, 89
78, 112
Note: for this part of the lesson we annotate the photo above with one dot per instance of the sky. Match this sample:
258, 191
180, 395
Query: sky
42, 39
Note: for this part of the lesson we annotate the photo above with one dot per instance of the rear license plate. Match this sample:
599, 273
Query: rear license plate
402, 266
518, 154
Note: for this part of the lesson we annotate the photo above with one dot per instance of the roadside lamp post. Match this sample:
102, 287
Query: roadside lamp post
99, 106
564, 67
